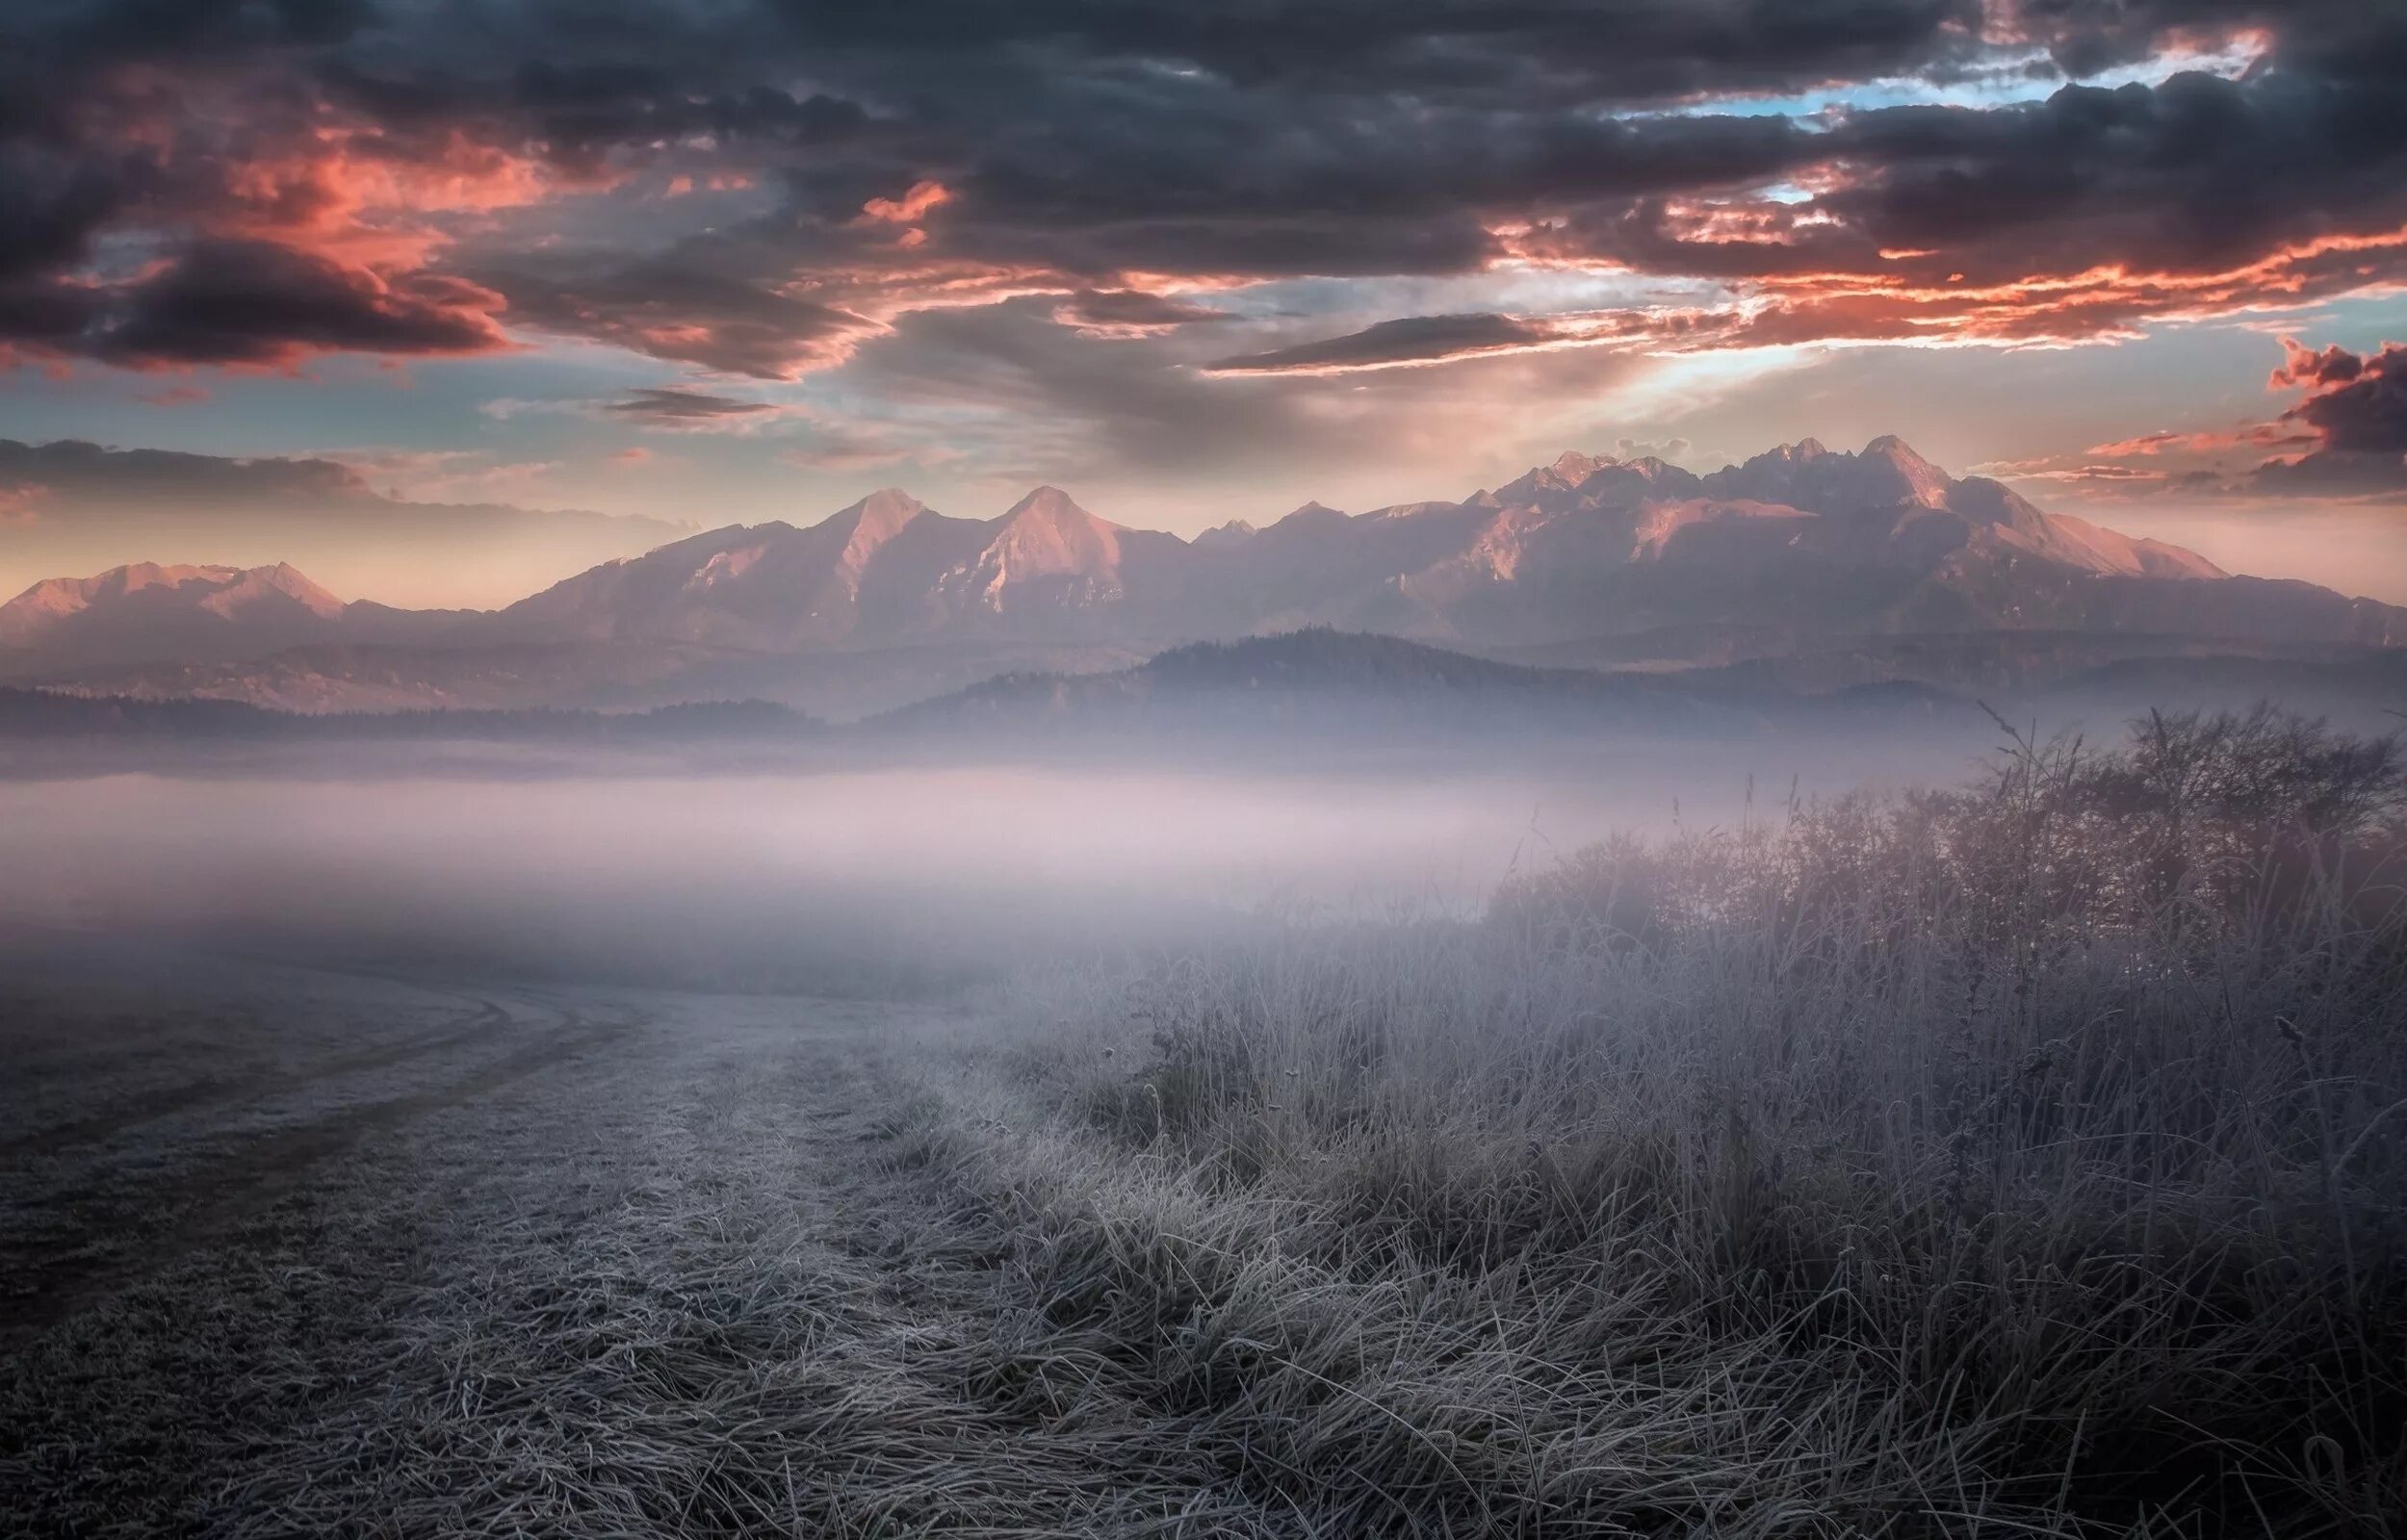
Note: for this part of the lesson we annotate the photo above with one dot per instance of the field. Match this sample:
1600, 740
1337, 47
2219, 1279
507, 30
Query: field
2025, 1159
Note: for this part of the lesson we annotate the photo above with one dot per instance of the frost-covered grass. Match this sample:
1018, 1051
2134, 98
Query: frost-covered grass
2028, 1160
673, 1285
2025, 1159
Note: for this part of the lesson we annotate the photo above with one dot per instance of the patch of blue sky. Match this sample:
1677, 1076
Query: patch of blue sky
2008, 81
332, 401
2359, 322
415, 404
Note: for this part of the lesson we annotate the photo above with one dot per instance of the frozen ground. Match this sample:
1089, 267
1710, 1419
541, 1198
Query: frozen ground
297, 1251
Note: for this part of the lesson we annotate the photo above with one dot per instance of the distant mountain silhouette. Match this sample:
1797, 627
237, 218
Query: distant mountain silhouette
1323, 684
602, 675
1799, 551
1314, 691
147, 612
53, 714
1312, 686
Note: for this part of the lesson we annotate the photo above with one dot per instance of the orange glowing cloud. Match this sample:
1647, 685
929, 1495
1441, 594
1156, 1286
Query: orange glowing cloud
313, 240
2255, 436
353, 195
909, 207
1842, 304
2302, 368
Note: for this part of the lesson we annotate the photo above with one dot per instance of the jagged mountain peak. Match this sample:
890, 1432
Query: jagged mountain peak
1563, 473
868, 524
1046, 561
1921, 480
1051, 503
1309, 514
699, 547
1786, 456
283, 581
146, 610
1579, 480
889, 507
1228, 536
213, 587
1885, 476
1050, 521
1555, 485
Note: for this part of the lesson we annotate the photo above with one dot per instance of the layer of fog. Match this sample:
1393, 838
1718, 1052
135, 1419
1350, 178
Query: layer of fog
841, 881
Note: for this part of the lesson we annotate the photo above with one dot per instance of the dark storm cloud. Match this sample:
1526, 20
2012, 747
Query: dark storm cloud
2197, 175
1631, 50
671, 407
2345, 438
1412, 340
248, 304
49, 212
73, 468
2201, 175
679, 313
576, 117
281, 179
2356, 407
255, 302
2332, 474
1334, 185
90, 484
1109, 312
2084, 37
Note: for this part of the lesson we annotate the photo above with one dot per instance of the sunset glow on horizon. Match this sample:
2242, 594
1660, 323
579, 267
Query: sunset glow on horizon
402, 269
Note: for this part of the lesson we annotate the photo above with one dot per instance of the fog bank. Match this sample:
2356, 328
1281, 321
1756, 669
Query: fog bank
839, 881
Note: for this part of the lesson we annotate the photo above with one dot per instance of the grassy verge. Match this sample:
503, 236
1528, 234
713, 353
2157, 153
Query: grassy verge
2025, 1159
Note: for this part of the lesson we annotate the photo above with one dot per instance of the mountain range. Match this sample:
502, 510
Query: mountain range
1875, 557
1306, 698
145, 612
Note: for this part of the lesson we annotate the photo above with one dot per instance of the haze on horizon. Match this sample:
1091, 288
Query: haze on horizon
355, 285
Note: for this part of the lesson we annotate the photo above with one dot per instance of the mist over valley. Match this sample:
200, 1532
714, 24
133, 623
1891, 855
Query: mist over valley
1571, 770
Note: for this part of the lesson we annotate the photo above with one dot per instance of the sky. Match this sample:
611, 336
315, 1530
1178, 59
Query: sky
442, 299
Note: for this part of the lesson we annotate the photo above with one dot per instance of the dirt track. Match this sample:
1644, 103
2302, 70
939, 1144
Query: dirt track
137, 1223
290, 1250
